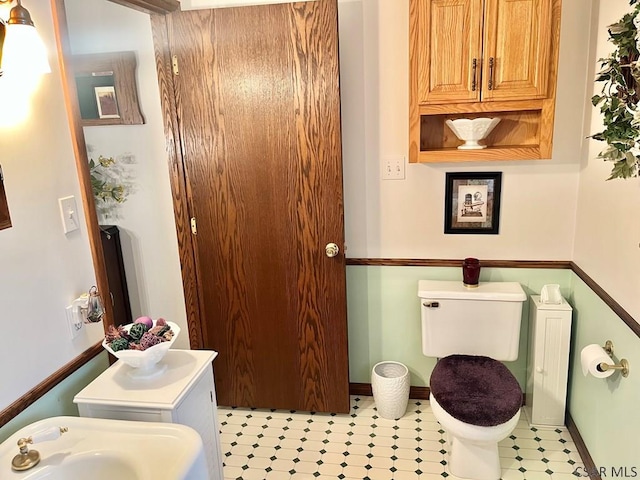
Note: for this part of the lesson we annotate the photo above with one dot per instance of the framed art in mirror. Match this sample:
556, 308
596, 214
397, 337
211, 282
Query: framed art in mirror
107, 88
472, 203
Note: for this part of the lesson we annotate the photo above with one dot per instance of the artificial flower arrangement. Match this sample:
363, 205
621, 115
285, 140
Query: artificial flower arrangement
140, 335
103, 178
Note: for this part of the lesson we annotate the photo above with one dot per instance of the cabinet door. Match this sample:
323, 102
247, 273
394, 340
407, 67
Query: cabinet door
517, 47
449, 41
551, 365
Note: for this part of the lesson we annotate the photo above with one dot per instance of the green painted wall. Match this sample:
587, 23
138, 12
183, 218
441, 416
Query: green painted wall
384, 314
384, 324
59, 401
604, 410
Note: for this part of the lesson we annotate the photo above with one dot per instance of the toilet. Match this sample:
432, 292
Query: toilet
473, 395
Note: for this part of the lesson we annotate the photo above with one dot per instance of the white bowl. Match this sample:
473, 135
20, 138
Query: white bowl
471, 130
144, 360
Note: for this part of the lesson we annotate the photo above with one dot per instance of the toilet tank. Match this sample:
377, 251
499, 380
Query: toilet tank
471, 321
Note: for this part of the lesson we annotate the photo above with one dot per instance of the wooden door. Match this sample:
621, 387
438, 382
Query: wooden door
258, 109
449, 50
516, 49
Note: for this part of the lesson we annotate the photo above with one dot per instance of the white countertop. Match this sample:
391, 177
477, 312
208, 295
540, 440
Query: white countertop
116, 386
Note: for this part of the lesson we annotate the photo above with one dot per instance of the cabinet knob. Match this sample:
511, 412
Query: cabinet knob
539, 369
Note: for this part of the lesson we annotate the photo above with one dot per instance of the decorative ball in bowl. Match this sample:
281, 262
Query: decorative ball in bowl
471, 130
142, 344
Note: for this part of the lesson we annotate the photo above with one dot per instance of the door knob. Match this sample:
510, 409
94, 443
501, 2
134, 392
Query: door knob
332, 250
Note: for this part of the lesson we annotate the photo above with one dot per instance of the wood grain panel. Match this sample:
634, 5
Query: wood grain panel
318, 207
150, 6
414, 65
548, 111
507, 106
258, 107
177, 180
515, 129
504, 154
449, 38
211, 169
518, 38
419, 262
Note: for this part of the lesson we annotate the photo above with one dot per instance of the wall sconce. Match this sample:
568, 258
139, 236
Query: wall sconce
22, 51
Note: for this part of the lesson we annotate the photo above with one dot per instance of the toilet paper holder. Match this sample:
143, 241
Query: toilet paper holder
623, 366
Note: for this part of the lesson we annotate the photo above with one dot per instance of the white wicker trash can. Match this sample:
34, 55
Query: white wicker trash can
390, 384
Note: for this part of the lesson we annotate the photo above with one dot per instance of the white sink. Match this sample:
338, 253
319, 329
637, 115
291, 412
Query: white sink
99, 449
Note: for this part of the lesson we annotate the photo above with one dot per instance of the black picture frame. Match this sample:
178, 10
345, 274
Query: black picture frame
472, 203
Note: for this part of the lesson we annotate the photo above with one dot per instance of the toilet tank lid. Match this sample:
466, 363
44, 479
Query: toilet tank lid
500, 291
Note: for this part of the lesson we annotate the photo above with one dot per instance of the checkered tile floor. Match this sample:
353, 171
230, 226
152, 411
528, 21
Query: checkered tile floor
284, 445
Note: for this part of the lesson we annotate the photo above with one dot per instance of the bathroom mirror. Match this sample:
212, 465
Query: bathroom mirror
37, 257
129, 155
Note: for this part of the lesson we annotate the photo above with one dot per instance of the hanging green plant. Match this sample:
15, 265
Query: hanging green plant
619, 98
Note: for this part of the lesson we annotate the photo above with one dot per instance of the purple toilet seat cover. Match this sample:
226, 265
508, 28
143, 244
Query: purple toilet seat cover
476, 390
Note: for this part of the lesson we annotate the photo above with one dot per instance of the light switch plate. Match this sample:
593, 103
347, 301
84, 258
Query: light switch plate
393, 168
69, 214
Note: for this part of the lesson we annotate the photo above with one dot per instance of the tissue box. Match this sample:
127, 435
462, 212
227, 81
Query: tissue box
550, 294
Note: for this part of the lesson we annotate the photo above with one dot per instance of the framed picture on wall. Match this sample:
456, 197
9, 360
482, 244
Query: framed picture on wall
472, 203
106, 101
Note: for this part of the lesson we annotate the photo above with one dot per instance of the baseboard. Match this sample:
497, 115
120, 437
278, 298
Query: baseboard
589, 465
364, 389
416, 393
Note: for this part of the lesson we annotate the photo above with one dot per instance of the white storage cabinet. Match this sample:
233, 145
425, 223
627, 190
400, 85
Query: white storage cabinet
183, 393
548, 362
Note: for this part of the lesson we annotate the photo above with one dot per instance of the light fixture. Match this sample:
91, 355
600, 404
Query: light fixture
22, 52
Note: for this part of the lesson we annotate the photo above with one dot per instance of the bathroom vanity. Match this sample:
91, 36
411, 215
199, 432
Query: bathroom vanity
181, 391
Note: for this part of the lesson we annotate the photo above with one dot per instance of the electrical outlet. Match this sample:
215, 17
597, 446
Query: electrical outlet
75, 326
393, 168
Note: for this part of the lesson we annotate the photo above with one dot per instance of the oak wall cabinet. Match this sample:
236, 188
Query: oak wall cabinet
483, 58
